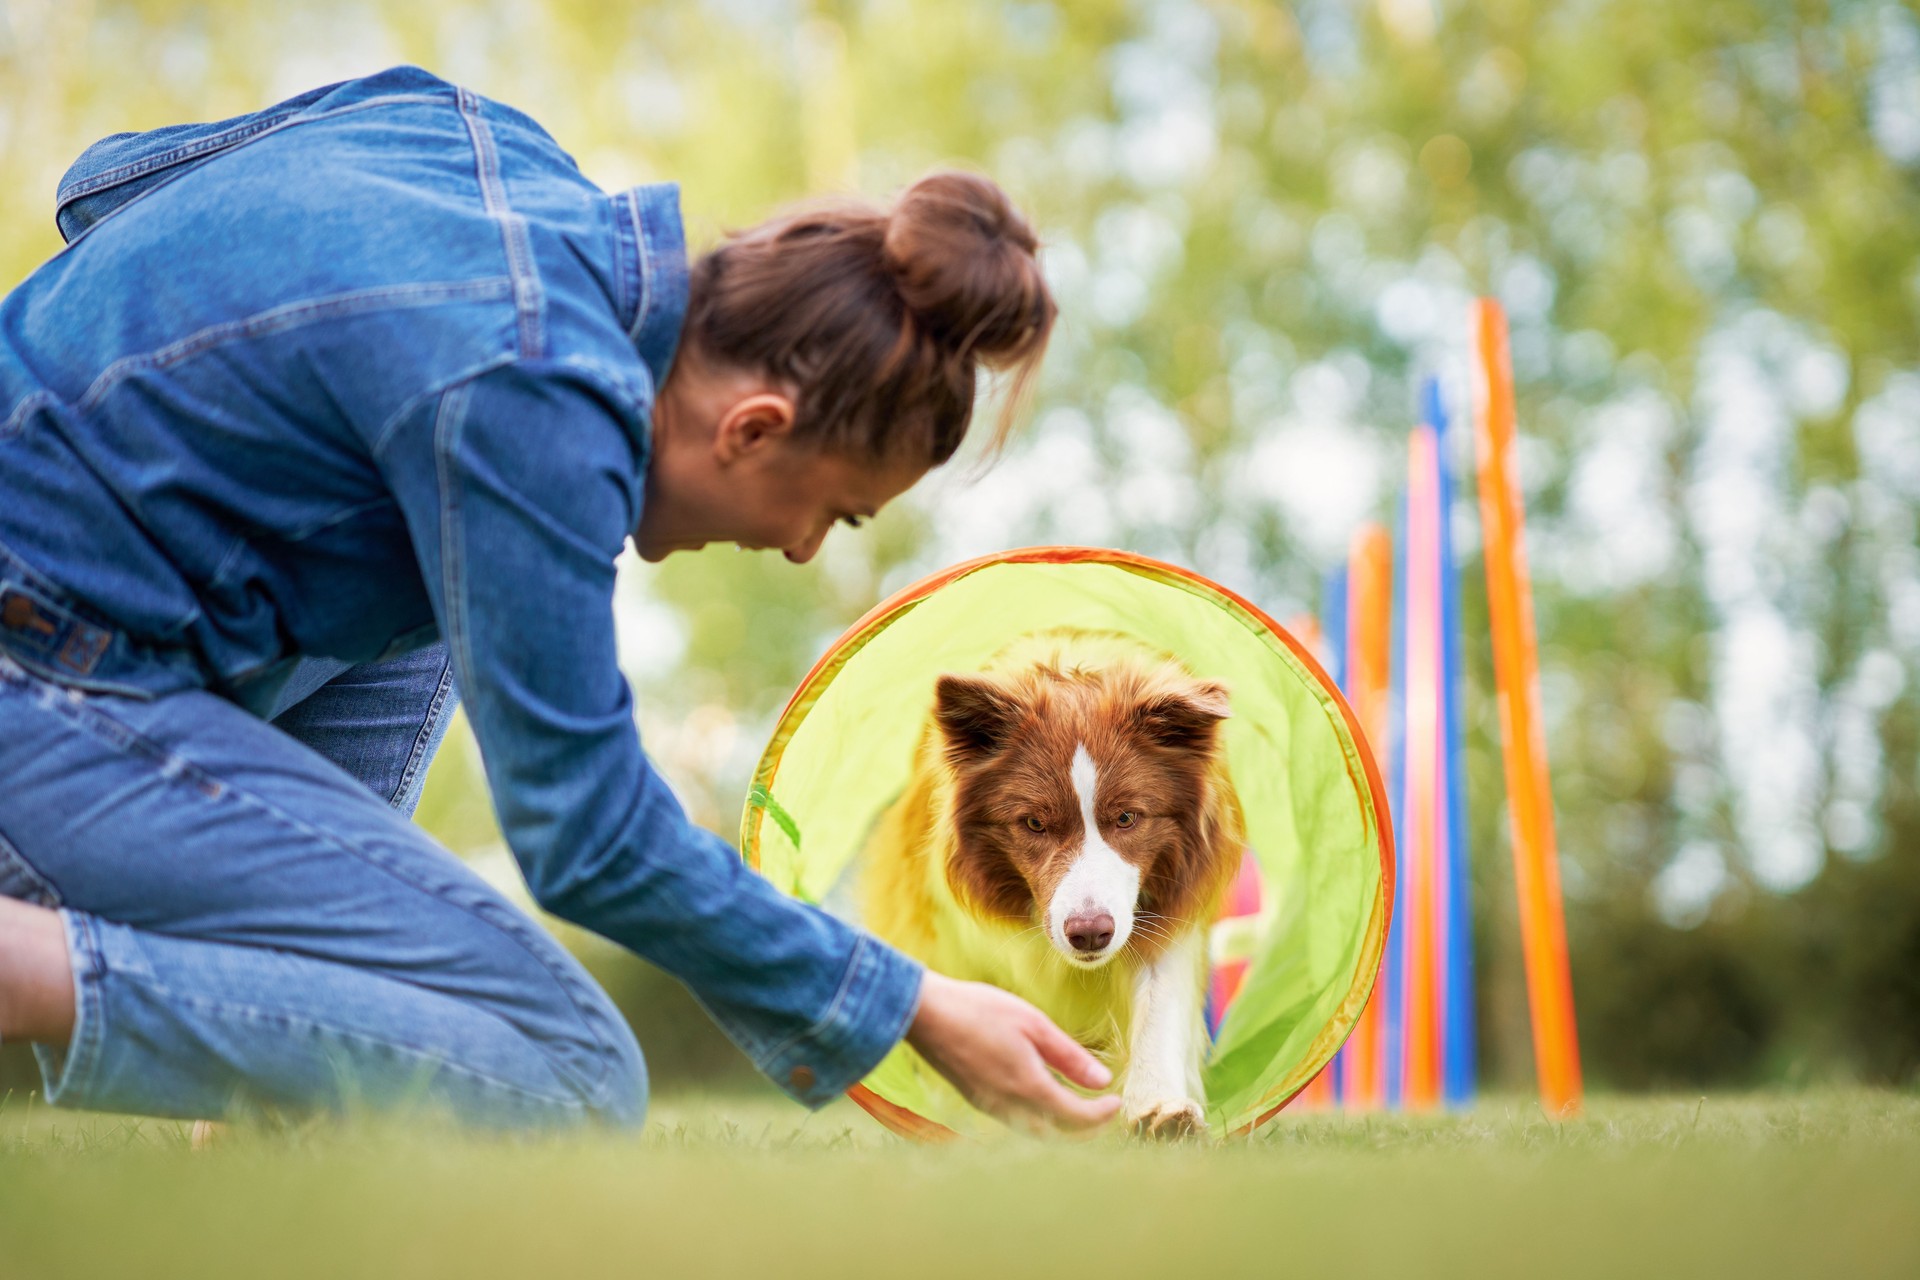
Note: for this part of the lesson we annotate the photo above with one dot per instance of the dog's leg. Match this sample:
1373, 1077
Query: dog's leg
1162, 1096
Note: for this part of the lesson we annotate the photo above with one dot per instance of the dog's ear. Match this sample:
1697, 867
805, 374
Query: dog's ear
1184, 718
977, 715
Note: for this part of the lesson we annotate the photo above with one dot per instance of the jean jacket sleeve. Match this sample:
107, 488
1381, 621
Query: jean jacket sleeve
519, 488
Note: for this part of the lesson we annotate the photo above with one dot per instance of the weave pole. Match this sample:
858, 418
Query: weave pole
1365, 667
1420, 834
1455, 1016
1536, 870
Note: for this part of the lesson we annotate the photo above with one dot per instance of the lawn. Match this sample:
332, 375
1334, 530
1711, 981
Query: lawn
1803, 1185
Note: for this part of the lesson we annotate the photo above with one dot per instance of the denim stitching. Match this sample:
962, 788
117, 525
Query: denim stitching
80, 1061
36, 401
148, 164
623, 260
341, 516
232, 137
232, 559
288, 316
646, 268
89, 718
383, 436
449, 423
527, 302
136, 169
420, 739
71, 705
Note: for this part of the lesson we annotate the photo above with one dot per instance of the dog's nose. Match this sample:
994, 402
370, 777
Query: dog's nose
1090, 932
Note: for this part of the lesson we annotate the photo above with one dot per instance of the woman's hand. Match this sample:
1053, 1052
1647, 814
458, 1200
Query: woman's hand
996, 1049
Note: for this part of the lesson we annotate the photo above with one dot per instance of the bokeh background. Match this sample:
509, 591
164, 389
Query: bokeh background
1264, 223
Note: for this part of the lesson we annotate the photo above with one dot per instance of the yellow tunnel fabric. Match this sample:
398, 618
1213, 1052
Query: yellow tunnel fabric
1315, 809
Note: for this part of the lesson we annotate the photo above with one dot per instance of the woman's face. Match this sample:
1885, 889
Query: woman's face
726, 468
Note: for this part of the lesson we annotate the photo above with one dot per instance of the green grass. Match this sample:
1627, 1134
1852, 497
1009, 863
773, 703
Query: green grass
1805, 1185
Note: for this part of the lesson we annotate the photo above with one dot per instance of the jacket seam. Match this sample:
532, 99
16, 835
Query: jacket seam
301, 534
383, 436
232, 137
528, 304
239, 136
186, 151
28, 406
289, 315
339, 517
646, 267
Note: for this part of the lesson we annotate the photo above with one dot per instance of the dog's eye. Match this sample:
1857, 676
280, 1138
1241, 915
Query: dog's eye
1126, 819
1034, 824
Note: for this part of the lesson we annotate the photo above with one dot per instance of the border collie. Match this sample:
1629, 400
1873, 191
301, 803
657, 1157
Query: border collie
1068, 833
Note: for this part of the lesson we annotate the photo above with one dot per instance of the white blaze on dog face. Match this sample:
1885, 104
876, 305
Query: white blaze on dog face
1099, 883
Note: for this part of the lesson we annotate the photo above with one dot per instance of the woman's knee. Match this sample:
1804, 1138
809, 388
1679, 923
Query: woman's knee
621, 1099
588, 1044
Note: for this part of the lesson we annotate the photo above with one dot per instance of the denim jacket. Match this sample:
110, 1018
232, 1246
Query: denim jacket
365, 369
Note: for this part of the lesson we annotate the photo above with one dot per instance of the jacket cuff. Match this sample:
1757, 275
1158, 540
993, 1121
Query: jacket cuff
868, 1016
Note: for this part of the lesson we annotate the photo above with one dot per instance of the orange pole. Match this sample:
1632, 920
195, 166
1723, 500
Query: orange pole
1369, 657
1536, 867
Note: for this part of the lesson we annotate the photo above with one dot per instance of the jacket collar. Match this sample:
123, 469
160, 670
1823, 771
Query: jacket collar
652, 273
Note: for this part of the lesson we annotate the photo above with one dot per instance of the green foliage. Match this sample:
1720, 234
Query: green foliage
1264, 223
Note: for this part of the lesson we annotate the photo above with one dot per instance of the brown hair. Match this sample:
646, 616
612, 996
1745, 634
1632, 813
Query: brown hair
880, 319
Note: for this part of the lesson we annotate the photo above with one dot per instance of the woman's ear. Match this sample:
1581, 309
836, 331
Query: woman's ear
751, 424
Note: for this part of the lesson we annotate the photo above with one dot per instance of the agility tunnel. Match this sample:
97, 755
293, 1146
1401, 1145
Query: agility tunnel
1296, 952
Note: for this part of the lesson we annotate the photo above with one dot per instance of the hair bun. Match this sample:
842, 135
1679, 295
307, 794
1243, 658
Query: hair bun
963, 260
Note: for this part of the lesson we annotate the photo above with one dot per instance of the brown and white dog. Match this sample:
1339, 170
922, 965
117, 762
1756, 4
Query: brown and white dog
1067, 834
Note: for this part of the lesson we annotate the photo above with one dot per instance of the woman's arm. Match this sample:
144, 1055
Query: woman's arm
519, 488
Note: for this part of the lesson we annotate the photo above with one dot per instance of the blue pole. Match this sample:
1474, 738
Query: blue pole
1459, 1068
1393, 980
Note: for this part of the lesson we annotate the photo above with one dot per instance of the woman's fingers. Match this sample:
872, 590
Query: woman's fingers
1063, 1107
1066, 1109
1067, 1056
997, 1049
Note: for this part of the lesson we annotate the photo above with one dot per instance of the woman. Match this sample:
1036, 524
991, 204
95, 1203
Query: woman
330, 410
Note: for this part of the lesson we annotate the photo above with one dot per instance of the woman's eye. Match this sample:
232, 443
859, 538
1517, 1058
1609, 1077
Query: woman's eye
852, 522
1034, 824
1126, 819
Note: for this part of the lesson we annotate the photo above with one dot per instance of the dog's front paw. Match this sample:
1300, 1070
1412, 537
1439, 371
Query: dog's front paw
1167, 1119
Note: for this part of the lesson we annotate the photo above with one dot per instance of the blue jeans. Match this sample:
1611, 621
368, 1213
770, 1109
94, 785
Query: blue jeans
254, 922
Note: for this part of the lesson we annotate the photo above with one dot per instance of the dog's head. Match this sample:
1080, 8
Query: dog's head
1085, 802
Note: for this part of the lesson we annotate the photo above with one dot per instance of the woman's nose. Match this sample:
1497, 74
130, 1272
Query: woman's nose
806, 550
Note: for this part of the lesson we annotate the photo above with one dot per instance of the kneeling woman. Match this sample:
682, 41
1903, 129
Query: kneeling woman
329, 411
